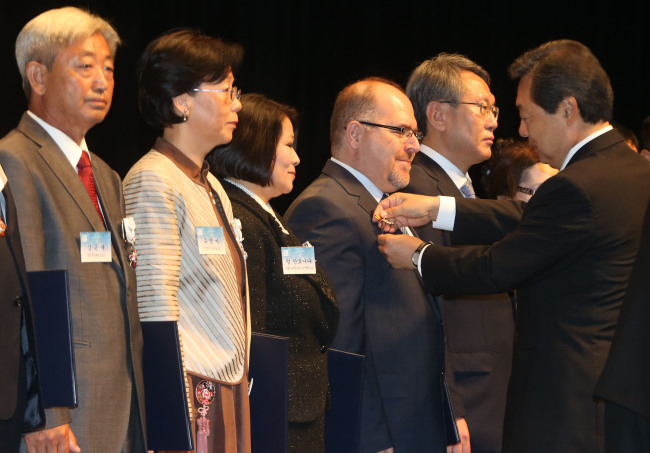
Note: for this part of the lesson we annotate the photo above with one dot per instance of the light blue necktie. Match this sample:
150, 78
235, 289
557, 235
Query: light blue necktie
467, 190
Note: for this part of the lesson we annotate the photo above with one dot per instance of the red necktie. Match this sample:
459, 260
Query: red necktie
86, 175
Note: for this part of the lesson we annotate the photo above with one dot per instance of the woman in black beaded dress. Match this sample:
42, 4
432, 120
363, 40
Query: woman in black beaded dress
258, 165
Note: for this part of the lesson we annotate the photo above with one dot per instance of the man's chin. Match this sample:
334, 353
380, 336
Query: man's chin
96, 116
399, 181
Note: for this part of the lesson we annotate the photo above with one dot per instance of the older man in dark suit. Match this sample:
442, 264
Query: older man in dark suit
570, 256
18, 377
455, 109
384, 314
67, 198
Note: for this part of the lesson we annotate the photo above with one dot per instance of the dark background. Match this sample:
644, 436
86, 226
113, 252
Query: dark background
304, 53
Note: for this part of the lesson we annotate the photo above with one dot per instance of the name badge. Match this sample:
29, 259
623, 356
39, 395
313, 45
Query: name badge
298, 260
211, 240
96, 247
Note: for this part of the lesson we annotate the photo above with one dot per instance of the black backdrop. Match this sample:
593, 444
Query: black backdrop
304, 52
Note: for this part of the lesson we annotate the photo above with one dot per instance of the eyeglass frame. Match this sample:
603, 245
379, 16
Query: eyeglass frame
235, 93
493, 109
402, 130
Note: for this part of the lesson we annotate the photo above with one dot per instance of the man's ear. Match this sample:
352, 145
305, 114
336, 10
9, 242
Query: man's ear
436, 116
569, 109
353, 133
37, 74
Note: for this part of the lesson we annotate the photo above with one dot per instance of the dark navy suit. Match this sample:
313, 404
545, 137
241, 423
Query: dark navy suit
384, 314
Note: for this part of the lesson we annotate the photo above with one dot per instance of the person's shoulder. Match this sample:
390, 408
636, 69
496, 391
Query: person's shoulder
151, 167
323, 195
325, 189
16, 143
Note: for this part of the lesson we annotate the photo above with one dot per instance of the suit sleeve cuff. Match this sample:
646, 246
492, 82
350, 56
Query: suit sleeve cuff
420, 258
57, 416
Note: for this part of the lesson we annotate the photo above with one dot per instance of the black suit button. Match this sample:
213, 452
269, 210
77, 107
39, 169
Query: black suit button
323, 349
18, 301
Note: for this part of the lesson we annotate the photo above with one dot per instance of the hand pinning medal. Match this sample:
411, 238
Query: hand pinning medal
384, 221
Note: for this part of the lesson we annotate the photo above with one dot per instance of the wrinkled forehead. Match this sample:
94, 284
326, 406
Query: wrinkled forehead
94, 46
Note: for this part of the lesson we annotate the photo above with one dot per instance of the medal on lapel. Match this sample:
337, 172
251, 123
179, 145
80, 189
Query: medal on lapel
204, 392
128, 234
3, 228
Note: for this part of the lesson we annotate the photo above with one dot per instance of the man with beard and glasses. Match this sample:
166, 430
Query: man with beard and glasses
384, 314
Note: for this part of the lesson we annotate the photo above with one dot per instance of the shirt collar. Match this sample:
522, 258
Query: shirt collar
69, 147
363, 179
589, 138
187, 166
258, 200
3, 179
3, 203
458, 177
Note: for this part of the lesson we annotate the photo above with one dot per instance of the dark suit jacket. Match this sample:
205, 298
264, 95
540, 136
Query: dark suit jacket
570, 259
479, 331
20, 407
385, 315
626, 377
301, 307
53, 209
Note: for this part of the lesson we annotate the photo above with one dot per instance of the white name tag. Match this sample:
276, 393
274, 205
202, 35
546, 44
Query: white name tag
298, 260
211, 240
96, 247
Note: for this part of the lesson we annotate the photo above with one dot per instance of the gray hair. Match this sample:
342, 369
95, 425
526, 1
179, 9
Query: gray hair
43, 37
439, 79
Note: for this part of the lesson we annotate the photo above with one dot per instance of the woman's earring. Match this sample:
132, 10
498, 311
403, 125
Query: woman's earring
185, 112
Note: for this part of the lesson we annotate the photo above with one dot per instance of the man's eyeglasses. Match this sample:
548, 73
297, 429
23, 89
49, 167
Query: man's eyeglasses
483, 107
235, 93
405, 132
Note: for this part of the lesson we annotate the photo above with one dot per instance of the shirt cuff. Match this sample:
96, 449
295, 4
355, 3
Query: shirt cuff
420, 258
446, 214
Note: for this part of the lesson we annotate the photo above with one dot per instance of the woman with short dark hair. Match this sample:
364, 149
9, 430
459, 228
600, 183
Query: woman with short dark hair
514, 172
191, 267
257, 166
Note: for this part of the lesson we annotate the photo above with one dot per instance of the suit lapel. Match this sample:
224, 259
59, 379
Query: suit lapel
108, 203
442, 180
354, 188
61, 168
283, 240
441, 184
